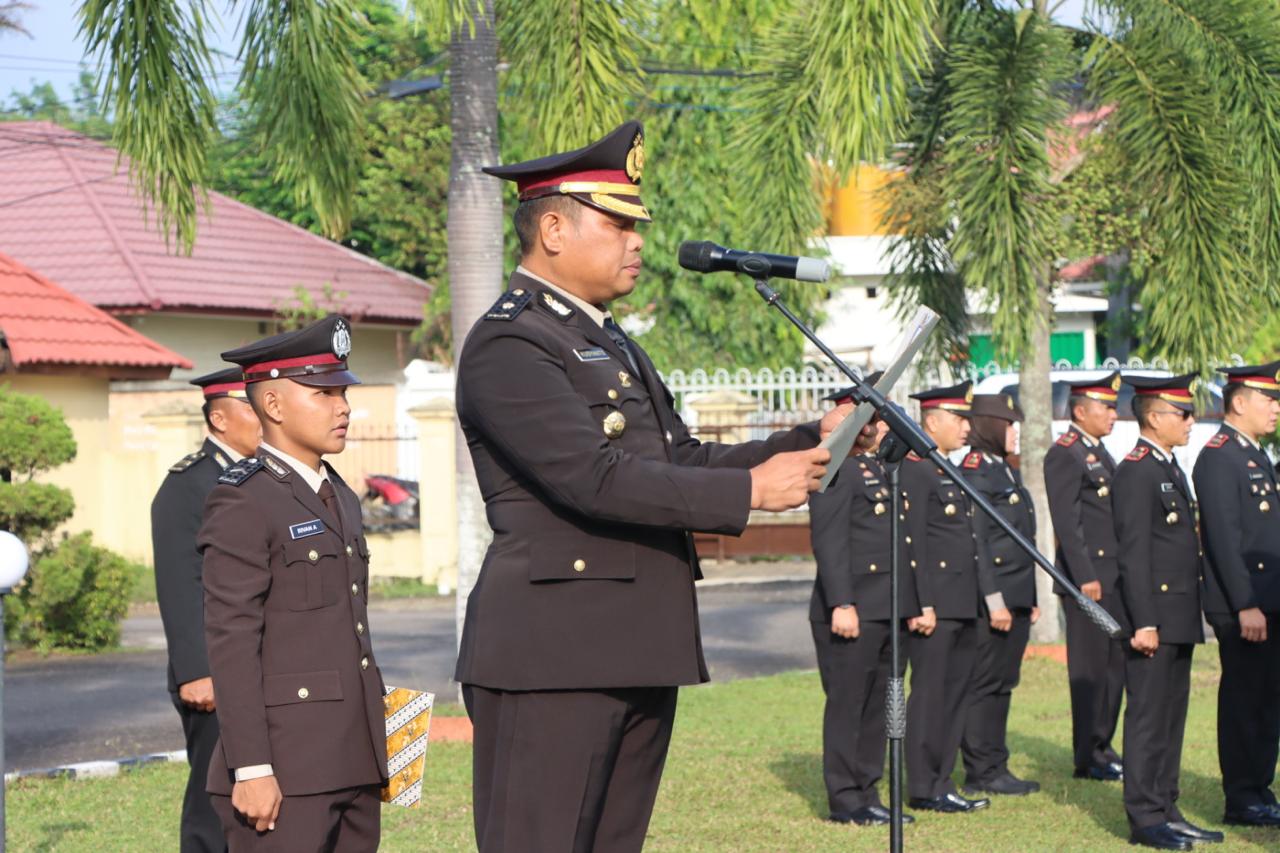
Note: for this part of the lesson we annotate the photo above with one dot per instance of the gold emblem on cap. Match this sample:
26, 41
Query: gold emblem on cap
1115, 383
1009, 400
615, 424
968, 395
635, 158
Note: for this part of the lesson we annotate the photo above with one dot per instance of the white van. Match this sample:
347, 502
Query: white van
1125, 434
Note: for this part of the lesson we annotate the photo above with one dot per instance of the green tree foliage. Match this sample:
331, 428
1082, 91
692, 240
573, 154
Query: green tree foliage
83, 114
75, 598
34, 437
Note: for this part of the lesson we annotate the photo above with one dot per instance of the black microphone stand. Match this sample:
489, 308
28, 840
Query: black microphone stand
910, 437
891, 453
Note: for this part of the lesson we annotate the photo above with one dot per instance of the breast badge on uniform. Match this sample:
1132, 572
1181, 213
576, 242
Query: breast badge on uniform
615, 424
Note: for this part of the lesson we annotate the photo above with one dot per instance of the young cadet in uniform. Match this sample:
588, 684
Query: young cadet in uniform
584, 619
942, 648
303, 749
849, 615
1160, 567
1240, 514
1077, 473
1007, 583
176, 511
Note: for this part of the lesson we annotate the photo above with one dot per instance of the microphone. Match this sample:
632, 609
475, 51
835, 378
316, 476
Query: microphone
705, 256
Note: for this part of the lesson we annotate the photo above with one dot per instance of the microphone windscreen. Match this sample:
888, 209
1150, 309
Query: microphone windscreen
812, 269
696, 255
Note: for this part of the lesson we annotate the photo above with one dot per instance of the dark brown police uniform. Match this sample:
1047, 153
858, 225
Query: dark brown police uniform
286, 620
1160, 569
584, 618
1078, 471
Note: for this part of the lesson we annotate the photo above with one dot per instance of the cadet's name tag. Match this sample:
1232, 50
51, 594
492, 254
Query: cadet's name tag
594, 354
306, 528
1166, 487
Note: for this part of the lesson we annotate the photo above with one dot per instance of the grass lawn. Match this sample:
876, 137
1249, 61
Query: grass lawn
744, 774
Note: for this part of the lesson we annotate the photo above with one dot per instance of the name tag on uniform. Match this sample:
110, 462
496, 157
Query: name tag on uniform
1166, 487
594, 354
306, 528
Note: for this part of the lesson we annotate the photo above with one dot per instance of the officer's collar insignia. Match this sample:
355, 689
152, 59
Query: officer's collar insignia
275, 467
1242, 440
341, 339
1252, 464
1091, 458
635, 158
556, 305
221, 459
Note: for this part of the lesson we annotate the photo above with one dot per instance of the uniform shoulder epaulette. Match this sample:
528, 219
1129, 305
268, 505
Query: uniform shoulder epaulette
187, 461
1067, 439
509, 305
973, 460
1138, 453
914, 457
241, 471
1218, 440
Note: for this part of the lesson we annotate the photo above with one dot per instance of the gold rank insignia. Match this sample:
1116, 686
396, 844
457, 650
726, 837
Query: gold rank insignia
615, 424
1014, 499
1103, 491
1171, 518
880, 509
624, 378
949, 509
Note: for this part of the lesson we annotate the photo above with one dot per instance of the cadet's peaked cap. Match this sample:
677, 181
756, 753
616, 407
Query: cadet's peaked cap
221, 383
845, 395
604, 174
1259, 377
997, 406
316, 355
957, 399
1174, 390
1104, 389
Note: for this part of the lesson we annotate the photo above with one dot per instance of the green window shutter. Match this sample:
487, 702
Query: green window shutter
1067, 346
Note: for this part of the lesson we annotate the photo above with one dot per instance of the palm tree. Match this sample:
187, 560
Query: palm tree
1196, 94
9, 18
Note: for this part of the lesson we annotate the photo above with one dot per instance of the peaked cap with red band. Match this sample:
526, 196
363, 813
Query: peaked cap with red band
957, 399
222, 383
1174, 390
1259, 377
1104, 389
316, 355
604, 175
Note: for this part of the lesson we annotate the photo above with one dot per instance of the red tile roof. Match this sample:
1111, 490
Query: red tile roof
67, 211
43, 324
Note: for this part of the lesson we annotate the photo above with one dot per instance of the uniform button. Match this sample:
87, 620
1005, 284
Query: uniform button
942, 564
1101, 553
908, 540
1164, 587
349, 551
312, 555
999, 561
359, 627
913, 564
355, 589
873, 567
579, 565
1260, 566
613, 394
303, 693
364, 663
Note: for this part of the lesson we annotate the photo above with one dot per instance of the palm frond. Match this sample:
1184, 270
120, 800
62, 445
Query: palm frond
302, 83
1173, 132
153, 64
1002, 78
833, 90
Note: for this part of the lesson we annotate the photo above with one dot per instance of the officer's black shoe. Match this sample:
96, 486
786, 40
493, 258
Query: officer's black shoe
1195, 833
1006, 784
1161, 836
868, 816
948, 804
1112, 772
1260, 814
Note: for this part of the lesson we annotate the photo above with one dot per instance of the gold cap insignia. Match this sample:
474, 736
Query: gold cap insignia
635, 158
968, 395
1115, 383
1009, 400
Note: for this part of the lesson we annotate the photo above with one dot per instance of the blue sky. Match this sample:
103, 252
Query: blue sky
54, 52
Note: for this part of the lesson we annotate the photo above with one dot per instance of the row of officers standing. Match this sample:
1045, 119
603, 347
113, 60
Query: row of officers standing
1131, 536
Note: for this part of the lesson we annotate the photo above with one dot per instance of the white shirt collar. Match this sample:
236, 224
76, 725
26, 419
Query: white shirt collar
233, 455
312, 477
1255, 444
1167, 457
1089, 440
597, 315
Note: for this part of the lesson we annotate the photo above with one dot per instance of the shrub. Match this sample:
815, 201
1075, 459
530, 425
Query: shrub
74, 598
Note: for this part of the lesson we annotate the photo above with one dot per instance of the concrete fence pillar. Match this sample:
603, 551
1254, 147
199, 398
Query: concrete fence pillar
723, 416
437, 495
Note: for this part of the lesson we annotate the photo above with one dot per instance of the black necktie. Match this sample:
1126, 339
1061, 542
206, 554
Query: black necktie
330, 500
614, 331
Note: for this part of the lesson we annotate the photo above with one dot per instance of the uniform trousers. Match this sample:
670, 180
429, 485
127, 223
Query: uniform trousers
941, 671
995, 673
1095, 672
567, 771
1248, 713
1155, 718
346, 821
200, 830
855, 677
